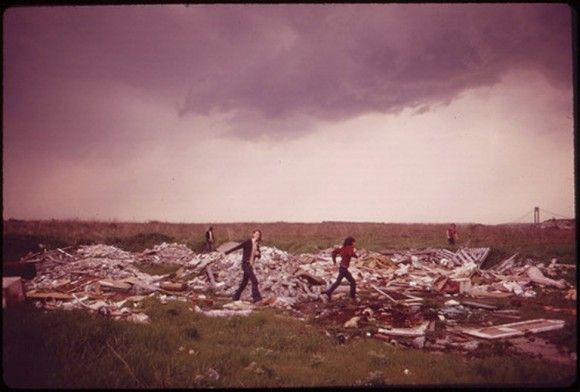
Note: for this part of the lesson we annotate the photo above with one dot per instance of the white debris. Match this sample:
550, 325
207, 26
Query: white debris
140, 318
537, 276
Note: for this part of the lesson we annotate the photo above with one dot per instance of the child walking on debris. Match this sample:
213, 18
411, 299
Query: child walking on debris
251, 249
346, 253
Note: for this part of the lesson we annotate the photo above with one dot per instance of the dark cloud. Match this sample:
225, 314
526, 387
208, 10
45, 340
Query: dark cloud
281, 63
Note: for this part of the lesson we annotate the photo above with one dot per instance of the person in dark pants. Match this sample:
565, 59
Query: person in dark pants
346, 253
251, 251
452, 234
209, 240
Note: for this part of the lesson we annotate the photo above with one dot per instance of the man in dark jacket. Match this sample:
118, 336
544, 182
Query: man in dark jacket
209, 239
251, 251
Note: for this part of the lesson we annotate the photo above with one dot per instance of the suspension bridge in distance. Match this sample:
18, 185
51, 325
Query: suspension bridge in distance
533, 216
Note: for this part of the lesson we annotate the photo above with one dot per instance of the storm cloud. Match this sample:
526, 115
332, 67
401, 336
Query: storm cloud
309, 112
285, 62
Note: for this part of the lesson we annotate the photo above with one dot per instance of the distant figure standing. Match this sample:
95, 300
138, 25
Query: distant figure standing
452, 234
251, 249
209, 240
346, 253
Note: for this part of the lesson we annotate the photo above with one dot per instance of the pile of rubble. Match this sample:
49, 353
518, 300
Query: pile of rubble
284, 278
108, 280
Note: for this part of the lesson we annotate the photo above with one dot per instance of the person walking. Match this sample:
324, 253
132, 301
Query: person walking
346, 253
452, 234
251, 252
209, 239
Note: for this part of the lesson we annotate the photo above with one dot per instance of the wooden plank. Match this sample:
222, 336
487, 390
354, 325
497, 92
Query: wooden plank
479, 305
210, 276
383, 293
170, 286
114, 285
483, 256
464, 256
500, 266
408, 332
226, 246
49, 295
516, 329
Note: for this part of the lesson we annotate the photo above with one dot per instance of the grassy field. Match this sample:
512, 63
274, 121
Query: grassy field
23, 236
183, 349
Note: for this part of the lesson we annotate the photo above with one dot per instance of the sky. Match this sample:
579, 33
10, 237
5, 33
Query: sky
410, 113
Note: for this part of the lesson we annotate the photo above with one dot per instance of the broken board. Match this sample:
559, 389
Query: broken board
515, 329
226, 246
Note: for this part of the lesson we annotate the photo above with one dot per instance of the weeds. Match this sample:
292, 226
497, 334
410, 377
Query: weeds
180, 348
296, 238
183, 349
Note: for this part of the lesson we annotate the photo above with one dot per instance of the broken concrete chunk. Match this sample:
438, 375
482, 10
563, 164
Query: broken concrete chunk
140, 318
352, 323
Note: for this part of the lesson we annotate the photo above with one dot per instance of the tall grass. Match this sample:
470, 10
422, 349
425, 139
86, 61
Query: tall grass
77, 350
296, 238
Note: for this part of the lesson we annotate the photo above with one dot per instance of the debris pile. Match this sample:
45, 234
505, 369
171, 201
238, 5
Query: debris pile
166, 254
393, 285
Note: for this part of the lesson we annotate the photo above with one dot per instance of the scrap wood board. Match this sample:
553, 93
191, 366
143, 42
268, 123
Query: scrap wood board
397, 297
515, 329
226, 246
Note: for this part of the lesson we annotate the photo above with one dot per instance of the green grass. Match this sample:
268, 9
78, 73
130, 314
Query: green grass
75, 349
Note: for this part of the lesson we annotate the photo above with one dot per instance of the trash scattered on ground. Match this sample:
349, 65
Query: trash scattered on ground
405, 295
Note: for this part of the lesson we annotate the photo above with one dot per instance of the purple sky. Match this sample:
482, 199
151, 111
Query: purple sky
224, 113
